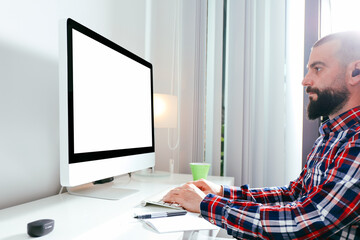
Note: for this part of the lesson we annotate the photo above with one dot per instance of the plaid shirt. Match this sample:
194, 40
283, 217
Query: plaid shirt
323, 203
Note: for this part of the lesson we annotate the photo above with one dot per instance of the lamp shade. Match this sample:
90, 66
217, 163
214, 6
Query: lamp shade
165, 111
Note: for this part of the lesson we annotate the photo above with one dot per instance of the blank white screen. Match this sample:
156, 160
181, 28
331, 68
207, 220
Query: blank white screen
112, 98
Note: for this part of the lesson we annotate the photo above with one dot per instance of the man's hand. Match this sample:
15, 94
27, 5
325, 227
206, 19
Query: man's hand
208, 187
188, 196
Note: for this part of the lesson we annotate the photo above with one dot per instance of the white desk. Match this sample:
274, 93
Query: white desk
89, 218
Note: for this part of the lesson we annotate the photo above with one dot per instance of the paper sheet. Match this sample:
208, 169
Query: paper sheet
188, 222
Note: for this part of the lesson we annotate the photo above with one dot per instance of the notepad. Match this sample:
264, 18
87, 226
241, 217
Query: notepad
188, 222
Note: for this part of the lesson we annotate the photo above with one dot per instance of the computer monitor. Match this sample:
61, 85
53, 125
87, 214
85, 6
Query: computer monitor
106, 108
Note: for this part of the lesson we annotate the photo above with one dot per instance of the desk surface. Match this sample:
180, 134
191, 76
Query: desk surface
90, 218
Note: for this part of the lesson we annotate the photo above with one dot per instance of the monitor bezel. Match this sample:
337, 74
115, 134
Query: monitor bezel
120, 160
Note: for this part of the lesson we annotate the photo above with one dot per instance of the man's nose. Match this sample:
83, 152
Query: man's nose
306, 81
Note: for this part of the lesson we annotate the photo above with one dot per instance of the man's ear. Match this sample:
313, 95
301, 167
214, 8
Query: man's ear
355, 73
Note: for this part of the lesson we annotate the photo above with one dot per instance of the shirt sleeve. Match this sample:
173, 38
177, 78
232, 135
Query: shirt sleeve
272, 195
321, 212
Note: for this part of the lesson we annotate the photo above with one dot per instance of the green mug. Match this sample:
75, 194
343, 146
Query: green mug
199, 170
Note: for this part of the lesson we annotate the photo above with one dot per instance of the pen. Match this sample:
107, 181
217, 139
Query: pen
160, 214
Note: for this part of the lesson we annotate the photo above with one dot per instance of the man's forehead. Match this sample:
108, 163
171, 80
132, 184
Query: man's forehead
324, 53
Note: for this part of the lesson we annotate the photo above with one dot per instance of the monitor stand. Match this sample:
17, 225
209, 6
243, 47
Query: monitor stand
103, 191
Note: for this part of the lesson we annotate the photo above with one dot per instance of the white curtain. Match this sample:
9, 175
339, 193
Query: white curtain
175, 44
262, 139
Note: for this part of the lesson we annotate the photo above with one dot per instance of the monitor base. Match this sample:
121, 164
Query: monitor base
102, 191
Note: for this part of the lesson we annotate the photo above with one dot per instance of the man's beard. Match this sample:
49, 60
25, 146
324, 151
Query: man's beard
328, 101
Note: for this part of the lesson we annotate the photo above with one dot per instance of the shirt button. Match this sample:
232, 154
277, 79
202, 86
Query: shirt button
212, 221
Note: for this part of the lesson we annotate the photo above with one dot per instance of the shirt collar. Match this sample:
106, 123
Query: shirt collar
341, 122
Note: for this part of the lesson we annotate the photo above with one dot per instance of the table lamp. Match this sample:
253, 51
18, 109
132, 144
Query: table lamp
165, 116
165, 111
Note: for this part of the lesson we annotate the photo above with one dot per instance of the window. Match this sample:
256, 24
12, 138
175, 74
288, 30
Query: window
339, 15
250, 103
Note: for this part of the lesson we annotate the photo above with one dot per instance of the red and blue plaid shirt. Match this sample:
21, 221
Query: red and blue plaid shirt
323, 203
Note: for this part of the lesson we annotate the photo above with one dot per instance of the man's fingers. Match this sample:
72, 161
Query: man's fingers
171, 196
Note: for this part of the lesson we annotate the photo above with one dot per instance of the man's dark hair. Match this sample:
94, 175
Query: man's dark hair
349, 49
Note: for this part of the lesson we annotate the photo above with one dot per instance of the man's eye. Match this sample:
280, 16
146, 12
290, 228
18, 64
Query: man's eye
317, 69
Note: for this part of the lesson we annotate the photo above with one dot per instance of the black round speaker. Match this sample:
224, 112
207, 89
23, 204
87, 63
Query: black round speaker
40, 227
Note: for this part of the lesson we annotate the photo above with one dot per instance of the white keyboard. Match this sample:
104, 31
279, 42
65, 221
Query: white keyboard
157, 200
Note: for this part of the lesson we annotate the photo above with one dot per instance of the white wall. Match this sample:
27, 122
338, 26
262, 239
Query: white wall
28, 101
29, 151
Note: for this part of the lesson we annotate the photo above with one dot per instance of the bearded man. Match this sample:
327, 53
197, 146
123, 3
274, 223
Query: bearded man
324, 201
